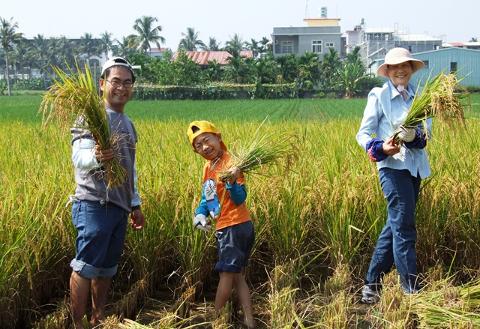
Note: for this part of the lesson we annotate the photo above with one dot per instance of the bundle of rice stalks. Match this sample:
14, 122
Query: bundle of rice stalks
73, 99
438, 99
263, 150
450, 307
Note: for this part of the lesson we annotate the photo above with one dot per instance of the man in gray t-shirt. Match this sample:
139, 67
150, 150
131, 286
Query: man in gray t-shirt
100, 214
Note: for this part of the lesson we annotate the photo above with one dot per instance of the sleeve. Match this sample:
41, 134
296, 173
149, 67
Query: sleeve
238, 192
202, 207
419, 142
136, 201
369, 125
375, 150
83, 146
83, 154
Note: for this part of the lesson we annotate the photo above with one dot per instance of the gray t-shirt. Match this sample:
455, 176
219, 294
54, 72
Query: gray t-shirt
91, 184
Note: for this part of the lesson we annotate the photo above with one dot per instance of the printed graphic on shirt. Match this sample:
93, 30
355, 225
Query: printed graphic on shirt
210, 192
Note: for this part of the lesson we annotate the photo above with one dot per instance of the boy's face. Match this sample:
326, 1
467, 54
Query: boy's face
208, 145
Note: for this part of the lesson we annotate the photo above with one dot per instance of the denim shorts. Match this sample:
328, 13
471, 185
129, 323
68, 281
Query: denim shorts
234, 244
100, 237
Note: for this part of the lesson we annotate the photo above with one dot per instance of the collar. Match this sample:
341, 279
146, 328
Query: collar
394, 92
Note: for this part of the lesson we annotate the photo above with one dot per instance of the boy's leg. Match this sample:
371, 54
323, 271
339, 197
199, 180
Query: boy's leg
224, 290
100, 287
79, 290
243, 292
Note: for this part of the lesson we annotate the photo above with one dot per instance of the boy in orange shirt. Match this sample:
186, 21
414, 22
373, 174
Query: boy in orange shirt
225, 203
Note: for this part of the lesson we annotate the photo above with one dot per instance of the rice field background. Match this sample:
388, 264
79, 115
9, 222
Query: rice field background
317, 218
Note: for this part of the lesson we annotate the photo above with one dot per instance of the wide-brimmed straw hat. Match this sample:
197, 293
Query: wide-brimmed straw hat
397, 56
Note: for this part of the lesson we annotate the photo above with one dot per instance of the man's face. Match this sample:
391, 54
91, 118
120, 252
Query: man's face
117, 87
400, 74
208, 146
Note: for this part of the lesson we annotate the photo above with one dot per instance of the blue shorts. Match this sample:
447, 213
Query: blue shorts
234, 244
100, 237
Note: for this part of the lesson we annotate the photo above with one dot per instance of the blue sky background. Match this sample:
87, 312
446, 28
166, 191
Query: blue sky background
451, 20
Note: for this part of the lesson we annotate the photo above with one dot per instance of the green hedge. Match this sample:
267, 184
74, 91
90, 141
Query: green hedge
218, 91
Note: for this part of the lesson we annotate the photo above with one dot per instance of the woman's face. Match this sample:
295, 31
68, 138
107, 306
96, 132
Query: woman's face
400, 74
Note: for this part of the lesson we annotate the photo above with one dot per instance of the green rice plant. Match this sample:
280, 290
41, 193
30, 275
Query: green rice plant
73, 99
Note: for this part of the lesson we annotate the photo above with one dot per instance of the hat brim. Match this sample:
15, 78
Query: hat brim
416, 65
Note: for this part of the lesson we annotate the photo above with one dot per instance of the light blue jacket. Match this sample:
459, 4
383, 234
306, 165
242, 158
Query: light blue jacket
386, 110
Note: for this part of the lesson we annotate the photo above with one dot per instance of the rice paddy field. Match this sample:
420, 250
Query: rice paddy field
317, 217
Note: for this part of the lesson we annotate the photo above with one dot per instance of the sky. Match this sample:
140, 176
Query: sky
451, 20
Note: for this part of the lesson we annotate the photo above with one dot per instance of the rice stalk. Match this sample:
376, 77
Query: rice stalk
263, 150
438, 99
449, 307
73, 99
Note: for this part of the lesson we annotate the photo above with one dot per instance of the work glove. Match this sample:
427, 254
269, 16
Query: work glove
200, 222
406, 134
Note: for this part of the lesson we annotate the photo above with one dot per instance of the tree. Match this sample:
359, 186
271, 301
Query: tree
107, 42
213, 44
9, 37
330, 67
148, 33
267, 69
235, 45
253, 46
190, 40
126, 46
308, 72
89, 46
288, 67
351, 74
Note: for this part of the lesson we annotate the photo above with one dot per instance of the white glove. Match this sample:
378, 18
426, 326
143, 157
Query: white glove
406, 134
200, 222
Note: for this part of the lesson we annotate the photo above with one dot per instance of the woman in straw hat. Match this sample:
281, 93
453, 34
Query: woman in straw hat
402, 165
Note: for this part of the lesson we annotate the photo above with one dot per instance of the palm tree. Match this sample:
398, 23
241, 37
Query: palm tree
235, 45
126, 46
9, 37
190, 40
89, 46
107, 42
213, 44
148, 33
253, 46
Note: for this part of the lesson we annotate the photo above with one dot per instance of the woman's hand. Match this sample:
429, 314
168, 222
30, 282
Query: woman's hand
390, 147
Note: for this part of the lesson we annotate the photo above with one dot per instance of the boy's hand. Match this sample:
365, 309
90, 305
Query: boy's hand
137, 219
103, 155
235, 172
200, 222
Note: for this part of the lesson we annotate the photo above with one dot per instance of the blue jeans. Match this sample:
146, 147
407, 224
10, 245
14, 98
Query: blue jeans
396, 243
101, 232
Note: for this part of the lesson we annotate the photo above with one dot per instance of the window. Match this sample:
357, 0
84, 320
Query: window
317, 46
286, 47
329, 45
453, 67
